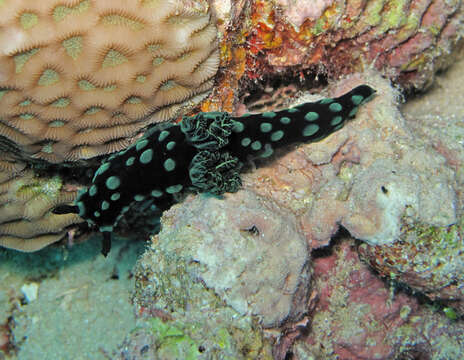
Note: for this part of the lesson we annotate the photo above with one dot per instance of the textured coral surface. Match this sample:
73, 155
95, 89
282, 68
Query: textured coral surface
26, 201
82, 78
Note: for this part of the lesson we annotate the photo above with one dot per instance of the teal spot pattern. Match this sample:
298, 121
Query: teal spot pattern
130, 161
269, 114
163, 135
311, 116
146, 156
336, 120
265, 127
171, 145
93, 190
174, 189
169, 165
335, 107
268, 151
310, 130
113, 182
105, 205
277, 135
156, 193
285, 120
238, 127
353, 112
246, 141
357, 99
256, 145
141, 144
115, 197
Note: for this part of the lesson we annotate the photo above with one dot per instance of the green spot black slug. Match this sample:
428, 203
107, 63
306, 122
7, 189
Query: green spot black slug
203, 153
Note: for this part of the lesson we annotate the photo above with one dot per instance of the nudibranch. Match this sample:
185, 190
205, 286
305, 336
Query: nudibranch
203, 153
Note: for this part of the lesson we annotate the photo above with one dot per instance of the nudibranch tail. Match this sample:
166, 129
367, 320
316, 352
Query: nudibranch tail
204, 153
258, 135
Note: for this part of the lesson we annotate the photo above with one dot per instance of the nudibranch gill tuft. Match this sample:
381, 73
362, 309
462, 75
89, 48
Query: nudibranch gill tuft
203, 153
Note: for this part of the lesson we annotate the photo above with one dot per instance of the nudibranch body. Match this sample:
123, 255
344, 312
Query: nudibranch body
203, 153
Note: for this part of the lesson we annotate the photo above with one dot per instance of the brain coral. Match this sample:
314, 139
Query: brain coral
82, 78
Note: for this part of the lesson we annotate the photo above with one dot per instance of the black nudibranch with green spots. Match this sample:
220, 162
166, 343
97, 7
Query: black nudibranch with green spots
203, 153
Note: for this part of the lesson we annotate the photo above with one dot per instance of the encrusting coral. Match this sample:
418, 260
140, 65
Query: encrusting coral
80, 79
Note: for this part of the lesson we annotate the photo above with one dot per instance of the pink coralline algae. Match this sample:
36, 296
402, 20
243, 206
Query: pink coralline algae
359, 317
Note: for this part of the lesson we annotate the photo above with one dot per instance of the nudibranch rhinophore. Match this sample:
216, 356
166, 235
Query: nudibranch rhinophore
203, 153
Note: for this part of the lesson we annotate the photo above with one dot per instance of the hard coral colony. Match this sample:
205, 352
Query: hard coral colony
80, 79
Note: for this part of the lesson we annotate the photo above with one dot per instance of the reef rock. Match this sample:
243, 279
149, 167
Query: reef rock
237, 267
388, 185
407, 41
359, 317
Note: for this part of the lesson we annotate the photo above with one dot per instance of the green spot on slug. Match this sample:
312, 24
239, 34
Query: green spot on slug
311, 116
285, 120
130, 161
245, 141
357, 99
268, 114
93, 190
105, 205
113, 182
170, 145
141, 144
335, 107
174, 189
139, 197
96, 213
265, 127
326, 101
256, 145
115, 196
277, 135
293, 110
353, 112
336, 120
106, 228
310, 130
81, 207
163, 135
169, 165
156, 193
238, 127
146, 156
268, 151
102, 169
